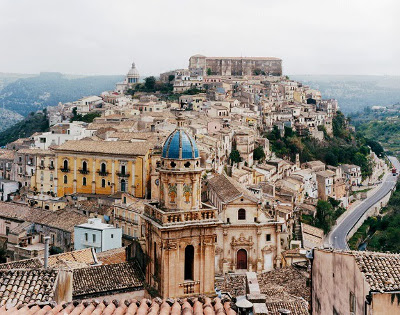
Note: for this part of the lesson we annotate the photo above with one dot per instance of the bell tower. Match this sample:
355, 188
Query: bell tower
180, 230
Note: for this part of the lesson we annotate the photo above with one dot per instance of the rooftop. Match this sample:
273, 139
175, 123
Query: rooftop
106, 147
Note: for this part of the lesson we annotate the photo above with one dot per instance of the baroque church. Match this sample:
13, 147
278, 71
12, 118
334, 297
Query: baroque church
188, 241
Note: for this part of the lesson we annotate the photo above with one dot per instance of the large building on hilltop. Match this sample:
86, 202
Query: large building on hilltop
179, 229
131, 79
235, 66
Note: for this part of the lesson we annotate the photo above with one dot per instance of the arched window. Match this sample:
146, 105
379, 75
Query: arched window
123, 185
241, 214
65, 179
103, 167
189, 262
65, 164
84, 166
103, 183
84, 181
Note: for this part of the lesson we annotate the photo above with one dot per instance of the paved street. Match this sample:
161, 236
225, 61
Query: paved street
338, 235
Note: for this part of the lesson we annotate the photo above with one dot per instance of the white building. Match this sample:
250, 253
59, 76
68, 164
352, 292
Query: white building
131, 79
7, 187
61, 133
100, 236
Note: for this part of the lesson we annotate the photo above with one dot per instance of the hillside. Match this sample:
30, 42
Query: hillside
48, 89
25, 128
383, 126
355, 92
8, 118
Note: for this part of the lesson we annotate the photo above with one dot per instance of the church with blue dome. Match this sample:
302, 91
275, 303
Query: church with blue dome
180, 229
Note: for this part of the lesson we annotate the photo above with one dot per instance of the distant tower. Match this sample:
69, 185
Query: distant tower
180, 230
133, 75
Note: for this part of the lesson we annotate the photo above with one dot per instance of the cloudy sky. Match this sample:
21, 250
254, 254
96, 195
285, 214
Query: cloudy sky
105, 36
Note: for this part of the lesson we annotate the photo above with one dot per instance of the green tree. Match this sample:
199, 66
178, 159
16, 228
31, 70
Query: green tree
259, 153
150, 83
171, 77
209, 71
235, 156
324, 216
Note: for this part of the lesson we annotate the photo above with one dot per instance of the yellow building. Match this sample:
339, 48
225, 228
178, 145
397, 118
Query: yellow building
45, 173
102, 167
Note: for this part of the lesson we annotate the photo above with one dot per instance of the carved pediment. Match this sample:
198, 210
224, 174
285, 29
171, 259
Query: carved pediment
242, 240
268, 249
218, 250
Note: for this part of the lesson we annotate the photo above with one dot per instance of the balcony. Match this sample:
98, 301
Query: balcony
64, 170
51, 167
82, 171
42, 167
119, 174
101, 173
126, 219
190, 287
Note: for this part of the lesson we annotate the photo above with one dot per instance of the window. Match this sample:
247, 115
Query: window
84, 181
65, 179
94, 238
228, 220
52, 239
241, 214
84, 166
268, 237
7, 230
86, 237
189, 262
103, 183
51, 177
352, 303
123, 169
112, 235
124, 199
103, 167
65, 164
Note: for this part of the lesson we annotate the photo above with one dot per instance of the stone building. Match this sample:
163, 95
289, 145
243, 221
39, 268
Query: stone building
355, 282
131, 79
235, 66
248, 238
179, 229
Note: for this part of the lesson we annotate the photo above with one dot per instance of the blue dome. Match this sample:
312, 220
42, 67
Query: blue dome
180, 145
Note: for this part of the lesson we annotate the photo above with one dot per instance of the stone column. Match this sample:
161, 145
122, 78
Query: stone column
113, 176
74, 181
133, 178
278, 247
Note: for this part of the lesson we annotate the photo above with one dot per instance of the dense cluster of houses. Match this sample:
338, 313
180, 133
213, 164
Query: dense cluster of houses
147, 170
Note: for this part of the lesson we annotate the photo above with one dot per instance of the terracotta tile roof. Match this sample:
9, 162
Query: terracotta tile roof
234, 284
22, 264
227, 189
297, 307
108, 147
98, 280
62, 219
199, 305
381, 271
27, 286
85, 256
112, 256
284, 284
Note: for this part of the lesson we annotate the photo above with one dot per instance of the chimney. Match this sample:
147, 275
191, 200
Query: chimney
46, 251
284, 311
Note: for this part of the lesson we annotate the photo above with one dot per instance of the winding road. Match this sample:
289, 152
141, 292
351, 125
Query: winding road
337, 237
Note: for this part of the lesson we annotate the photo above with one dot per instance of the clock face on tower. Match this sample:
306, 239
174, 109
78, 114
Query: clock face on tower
157, 182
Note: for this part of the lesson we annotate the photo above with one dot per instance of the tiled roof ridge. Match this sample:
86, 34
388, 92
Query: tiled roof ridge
200, 304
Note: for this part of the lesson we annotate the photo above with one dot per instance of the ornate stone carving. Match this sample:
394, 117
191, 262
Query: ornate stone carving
170, 245
172, 191
268, 249
218, 250
242, 241
187, 192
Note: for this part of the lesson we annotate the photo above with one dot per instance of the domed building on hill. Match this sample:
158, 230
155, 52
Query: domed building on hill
131, 79
180, 229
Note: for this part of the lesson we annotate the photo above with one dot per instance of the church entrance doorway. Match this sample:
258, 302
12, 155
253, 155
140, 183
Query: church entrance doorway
241, 259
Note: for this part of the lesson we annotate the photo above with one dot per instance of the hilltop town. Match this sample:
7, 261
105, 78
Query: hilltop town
199, 191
